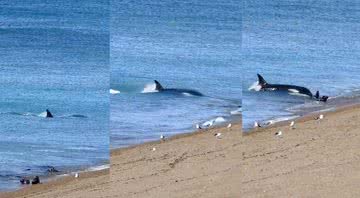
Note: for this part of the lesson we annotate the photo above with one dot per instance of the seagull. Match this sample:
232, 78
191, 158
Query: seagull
269, 122
292, 125
320, 117
208, 123
256, 125
154, 149
229, 125
217, 135
162, 137
198, 126
278, 133
76, 175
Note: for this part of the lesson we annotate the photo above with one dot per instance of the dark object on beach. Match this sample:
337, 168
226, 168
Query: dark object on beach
52, 169
36, 180
322, 98
24, 181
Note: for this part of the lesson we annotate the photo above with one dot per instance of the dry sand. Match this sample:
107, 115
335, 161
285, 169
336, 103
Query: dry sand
317, 159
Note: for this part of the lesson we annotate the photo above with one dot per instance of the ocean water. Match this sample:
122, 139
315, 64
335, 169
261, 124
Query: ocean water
315, 44
54, 55
182, 44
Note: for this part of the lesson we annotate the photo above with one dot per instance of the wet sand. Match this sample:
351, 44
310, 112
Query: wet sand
316, 159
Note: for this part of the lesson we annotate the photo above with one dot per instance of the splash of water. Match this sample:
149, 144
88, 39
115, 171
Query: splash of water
255, 86
114, 91
150, 88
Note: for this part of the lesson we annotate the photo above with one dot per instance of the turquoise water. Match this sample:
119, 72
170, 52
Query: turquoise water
54, 56
307, 43
182, 44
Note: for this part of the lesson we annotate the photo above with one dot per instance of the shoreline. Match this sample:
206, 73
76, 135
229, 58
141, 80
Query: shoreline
197, 163
303, 110
52, 181
316, 159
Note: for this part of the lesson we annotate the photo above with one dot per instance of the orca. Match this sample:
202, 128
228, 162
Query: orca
48, 114
160, 88
265, 86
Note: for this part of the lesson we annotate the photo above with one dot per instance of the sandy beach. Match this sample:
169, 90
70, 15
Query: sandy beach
88, 184
319, 158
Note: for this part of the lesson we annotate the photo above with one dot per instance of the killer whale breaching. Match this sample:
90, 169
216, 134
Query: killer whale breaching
48, 114
160, 88
292, 89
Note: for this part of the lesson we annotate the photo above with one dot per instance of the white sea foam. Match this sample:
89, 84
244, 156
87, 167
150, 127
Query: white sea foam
236, 112
43, 114
114, 91
212, 122
150, 88
255, 86
97, 168
219, 120
276, 120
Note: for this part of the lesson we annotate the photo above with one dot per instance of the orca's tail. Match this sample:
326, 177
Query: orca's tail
261, 80
158, 85
322, 98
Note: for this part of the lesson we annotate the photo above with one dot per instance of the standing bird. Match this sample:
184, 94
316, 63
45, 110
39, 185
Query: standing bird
292, 125
198, 126
320, 117
229, 125
162, 137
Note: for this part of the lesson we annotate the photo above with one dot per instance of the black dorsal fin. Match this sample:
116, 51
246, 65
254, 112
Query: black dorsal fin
158, 85
262, 81
48, 114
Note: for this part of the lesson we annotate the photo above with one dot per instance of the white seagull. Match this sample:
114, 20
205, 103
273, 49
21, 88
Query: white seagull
217, 135
198, 126
162, 137
229, 125
320, 117
208, 123
292, 125
278, 133
76, 175
256, 124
